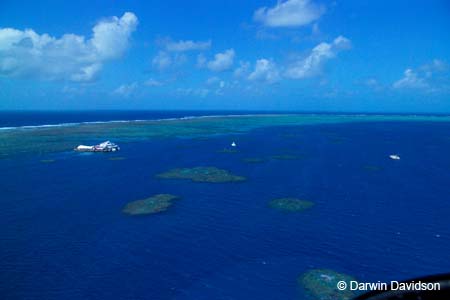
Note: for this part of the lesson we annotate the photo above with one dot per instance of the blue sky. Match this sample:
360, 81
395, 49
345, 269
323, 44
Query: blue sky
391, 56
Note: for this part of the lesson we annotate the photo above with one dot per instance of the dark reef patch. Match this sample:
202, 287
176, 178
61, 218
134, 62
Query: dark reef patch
117, 158
47, 161
290, 204
202, 174
321, 284
152, 205
337, 139
285, 157
227, 150
372, 168
253, 160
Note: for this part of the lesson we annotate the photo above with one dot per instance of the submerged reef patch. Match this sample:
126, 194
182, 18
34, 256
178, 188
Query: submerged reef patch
285, 157
337, 140
290, 204
372, 168
152, 205
321, 284
290, 135
117, 158
253, 160
47, 161
201, 174
227, 150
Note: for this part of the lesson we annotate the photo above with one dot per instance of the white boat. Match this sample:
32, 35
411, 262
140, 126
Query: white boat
103, 147
394, 157
233, 144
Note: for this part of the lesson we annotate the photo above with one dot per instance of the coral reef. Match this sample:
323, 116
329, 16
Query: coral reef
253, 160
155, 204
117, 158
227, 150
201, 174
290, 204
321, 284
285, 157
47, 161
372, 168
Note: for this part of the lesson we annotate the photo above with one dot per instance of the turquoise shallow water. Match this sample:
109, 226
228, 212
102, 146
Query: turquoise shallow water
64, 236
63, 137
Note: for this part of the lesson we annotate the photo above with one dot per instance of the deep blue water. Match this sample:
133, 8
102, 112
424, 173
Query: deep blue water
63, 235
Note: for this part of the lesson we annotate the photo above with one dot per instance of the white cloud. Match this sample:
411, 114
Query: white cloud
162, 60
111, 36
73, 91
189, 45
372, 83
220, 91
201, 61
312, 64
153, 82
265, 71
126, 90
290, 13
217, 84
173, 54
200, 92
431, 77
410, 80
222, 61
315, 29
435, 66
71, 57
212, 80
242, 70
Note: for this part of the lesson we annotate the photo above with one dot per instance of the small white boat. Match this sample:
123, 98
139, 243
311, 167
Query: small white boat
103, 147
233, 144
394, 157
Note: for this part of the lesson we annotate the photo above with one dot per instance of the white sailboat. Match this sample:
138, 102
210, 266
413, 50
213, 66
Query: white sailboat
394, 157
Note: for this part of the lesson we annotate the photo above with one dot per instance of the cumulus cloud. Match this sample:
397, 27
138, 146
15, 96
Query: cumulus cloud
216, 83
371, 82
188, 45
70, 57
174, 53
242, 70
410, 80
435, 66
290, 13
313, 63
200, 92
126, 90
265, 71
212, 80
153, 82
162, 60
431, 77
222, 61
201, 61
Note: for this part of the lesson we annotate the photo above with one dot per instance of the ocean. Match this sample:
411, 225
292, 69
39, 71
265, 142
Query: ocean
63, 234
